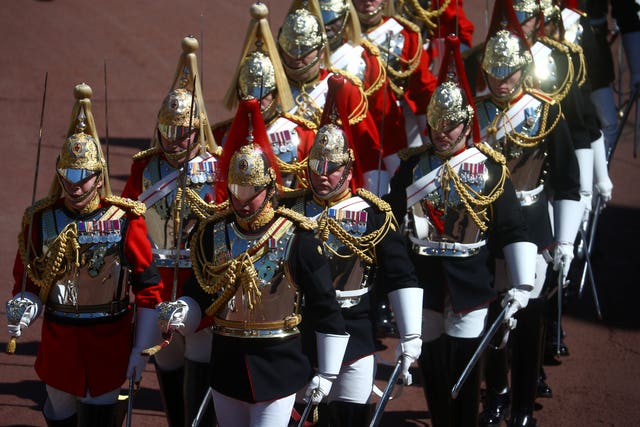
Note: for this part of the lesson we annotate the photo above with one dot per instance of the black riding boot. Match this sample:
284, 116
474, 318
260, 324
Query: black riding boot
496, 405
196, 385
99, 415
525, 363
433, 364
346, 414
465, 406
170, 383
72, 421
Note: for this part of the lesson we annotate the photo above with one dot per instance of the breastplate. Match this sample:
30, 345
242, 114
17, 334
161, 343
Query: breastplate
349, 272
160, 216
310, 100
439, 214
391, 55
349, 58
278, 303
100, 279
526, 164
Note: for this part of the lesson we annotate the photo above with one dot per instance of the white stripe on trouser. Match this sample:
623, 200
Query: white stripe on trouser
236, 413
61, 405
355, 382
459, 325
502, 280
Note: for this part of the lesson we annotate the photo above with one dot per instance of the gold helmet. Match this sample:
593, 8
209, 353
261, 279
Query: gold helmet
183, 109
301, 33
260, 70
332, 146
526, 9
81, 155
343, 11
248, 164
550, 10
452, 102
506, 50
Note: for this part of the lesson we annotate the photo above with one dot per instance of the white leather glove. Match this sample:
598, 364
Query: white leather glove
519, 298
409, 349
21, 311
407, 308
603, 183
319, 387
146, 335
562, 257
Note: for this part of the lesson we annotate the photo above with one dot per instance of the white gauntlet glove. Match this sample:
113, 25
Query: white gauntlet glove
562, 257
603, 183
21, 311
407, 308
146, 335
331, 350
519, 299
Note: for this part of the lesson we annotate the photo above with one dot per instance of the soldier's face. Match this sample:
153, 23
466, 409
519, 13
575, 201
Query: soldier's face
324, 184
302, 62
504, 88
247, 207
79, 194
449, 141
368, 7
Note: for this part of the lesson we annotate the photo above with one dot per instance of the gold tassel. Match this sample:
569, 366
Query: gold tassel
11, 345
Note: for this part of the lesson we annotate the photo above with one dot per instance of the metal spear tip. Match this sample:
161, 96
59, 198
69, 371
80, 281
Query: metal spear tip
259, 11
189, 44
82, 91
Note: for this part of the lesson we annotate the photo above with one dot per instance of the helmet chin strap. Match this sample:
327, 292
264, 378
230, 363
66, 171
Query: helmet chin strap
296, 73
254, 221
454, 147
513, 92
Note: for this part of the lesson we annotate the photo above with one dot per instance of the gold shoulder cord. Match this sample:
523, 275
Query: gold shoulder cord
581, 75
407, 153
296, 118
198, 206
63, 253
427, 15
357, 114
224, 279
469, 196
520, 139
297, 167
147, 153
381, 77
564, 88
363, 247
133, 206
412, 63
297, 218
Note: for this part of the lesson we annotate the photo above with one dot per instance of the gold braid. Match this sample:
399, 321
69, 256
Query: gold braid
469, 196
426, 15
565, 87
299, 168
382, 75
133, 206
297, 218
363, 247
521, 139
412, 63
581, 76
62, 254
225, 278
201, 208
296, 118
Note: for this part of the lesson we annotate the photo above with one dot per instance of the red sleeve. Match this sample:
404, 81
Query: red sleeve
384, 109
366, 139
137, 251
133, 186
306, 137
18, 266
454, 21
422, 83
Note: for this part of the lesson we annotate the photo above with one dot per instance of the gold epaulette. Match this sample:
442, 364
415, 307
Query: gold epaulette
147, 153
286, 193
538, 94
38, 206
300, 120
407, 24
201, 208
486, 149
383, 206
407, 153
372, 48
132, 206
297, 218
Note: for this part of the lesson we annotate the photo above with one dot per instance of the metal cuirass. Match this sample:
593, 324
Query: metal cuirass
349, 58
98, 287
439, 222
527, 165
349, 273
276, 312
160, 215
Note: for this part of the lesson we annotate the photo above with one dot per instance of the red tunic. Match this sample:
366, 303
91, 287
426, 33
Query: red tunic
93, 357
